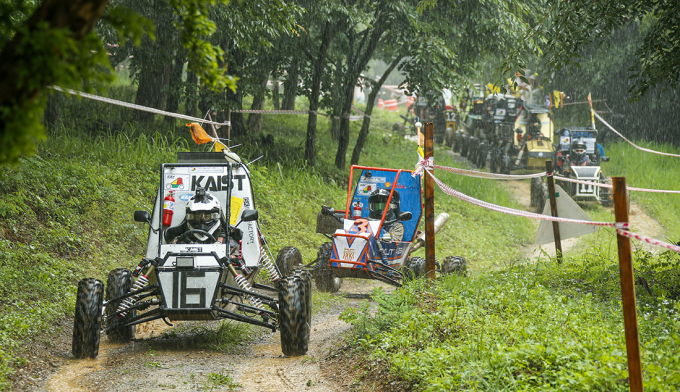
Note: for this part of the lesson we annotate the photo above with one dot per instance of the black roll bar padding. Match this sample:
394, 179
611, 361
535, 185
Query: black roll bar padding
249, 307
254, 294
131, 293
264, 287
242, 318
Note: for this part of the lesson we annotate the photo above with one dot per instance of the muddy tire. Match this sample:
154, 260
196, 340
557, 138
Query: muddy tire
87, 321
294, 315
307, 279
288, 258
416, 265
118, 283
606, 194
454, 265
324, 278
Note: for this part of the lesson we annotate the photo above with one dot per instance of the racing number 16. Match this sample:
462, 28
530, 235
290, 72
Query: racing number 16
180, 291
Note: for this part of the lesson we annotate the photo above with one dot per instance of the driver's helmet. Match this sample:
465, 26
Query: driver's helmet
377, 201
579, 150
203, 211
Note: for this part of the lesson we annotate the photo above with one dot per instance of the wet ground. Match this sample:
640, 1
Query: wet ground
156, 363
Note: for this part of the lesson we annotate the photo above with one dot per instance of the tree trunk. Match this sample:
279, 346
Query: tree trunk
328, 32
276, 99
175, 85
343, 140
290, 85
370, 103
235, 99
51, 119
152, 90
255, 119
355, 64
191, 95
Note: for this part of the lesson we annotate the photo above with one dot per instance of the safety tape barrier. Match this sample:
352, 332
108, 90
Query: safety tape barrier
511, 211
622, 228
478, 174
138, 107
648, 240
630, 188
474, 173
633, 144
257, 111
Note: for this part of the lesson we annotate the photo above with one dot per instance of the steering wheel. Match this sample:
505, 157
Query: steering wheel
185, 237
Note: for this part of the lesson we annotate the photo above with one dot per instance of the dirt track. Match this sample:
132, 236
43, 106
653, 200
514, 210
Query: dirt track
154, 363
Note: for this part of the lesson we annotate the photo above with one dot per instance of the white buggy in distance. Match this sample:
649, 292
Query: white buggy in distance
199, 277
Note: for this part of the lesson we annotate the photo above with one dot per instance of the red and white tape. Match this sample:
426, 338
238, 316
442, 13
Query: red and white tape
475, 173
511, 211
649, 240
630, 188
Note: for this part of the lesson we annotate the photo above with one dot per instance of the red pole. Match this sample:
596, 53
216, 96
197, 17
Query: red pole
627, 288
429, 204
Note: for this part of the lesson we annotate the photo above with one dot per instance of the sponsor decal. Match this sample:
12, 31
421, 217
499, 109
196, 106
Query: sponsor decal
217, 183
186, 196
348, 254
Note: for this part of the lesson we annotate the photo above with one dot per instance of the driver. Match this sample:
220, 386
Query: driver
377, 202
203, 215
578, 156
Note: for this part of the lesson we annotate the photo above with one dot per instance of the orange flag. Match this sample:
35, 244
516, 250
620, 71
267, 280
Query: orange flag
199, 134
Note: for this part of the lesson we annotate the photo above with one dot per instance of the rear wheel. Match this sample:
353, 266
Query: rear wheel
294, 315
87, 321
416, 265
118, 283
288, 258
454, 264
324, 278
606, 196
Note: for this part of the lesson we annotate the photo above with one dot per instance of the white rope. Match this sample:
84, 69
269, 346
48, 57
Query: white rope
633, 144
511, 211
474, 173
138, 107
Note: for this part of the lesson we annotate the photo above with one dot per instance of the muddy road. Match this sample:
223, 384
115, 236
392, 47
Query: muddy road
172, 358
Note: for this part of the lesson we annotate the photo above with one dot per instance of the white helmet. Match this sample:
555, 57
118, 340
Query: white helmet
203, 211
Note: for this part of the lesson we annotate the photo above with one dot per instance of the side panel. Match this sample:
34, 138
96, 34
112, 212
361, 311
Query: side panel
408, 188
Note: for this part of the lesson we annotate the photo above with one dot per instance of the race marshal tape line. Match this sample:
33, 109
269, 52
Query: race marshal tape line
511, 211
633, 144
649, 240
630, 188
138, 107
475, 173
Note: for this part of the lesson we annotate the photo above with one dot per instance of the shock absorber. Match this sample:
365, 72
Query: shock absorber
243, 284
266, 262
125, 304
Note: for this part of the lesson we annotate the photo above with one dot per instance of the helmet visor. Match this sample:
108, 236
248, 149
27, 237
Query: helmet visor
202, 216
580, 151
378, 206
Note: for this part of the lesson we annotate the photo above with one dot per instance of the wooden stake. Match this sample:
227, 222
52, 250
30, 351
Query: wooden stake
553, 210
429, 204
627, 288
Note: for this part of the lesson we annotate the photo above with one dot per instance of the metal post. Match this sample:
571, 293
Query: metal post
553, 210
429, 204
627, 288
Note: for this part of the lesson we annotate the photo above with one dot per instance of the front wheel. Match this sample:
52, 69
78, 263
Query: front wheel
324, 278
294, 315
288, 258
118, 283
87, 322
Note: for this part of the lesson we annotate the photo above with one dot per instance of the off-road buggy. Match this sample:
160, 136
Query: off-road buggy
192, 279
367, 246
513, 134
591, 172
